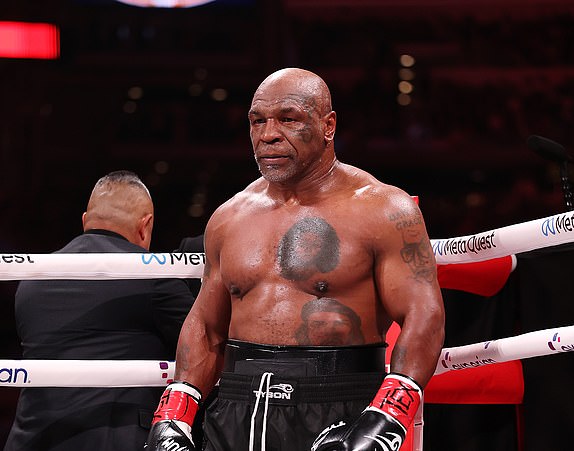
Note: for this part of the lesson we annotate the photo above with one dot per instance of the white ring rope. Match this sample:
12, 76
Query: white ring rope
99, 266
510, 240
140, 373
523, 237
85, 373
532, 344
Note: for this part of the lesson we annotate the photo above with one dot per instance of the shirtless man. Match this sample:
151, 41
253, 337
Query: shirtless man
311, 232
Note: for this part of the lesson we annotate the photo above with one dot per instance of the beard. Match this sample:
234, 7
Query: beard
277, 173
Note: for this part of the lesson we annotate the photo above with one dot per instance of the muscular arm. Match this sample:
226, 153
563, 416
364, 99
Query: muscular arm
408, 286
406, 281
199, 357
202, 339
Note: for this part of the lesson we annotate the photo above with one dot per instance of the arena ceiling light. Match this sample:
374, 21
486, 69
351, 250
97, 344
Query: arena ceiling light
165, 3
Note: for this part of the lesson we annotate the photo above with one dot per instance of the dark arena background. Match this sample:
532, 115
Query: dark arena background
438, 97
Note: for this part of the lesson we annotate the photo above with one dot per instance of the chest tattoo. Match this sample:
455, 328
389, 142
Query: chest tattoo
309, 247
328, 322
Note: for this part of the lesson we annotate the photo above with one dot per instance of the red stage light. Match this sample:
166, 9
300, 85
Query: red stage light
29, 40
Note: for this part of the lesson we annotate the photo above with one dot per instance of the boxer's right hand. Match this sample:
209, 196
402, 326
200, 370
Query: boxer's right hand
171, 425
168, 436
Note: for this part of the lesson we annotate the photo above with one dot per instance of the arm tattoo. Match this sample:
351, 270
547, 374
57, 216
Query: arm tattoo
416, 251
418, 256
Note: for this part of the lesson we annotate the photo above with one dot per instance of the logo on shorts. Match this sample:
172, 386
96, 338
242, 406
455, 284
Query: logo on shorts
280, 391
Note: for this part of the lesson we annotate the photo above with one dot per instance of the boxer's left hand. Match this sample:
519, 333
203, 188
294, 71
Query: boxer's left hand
381, 426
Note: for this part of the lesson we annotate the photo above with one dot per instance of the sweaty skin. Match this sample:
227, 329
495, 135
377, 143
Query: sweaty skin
312, 228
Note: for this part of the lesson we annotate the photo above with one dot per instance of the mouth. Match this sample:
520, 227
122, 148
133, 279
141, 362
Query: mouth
272, 159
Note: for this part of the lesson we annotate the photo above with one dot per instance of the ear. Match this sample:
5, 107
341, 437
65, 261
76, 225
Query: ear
84, 221
145, 228
330, 126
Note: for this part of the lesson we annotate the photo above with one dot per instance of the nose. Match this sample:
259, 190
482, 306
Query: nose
270, 132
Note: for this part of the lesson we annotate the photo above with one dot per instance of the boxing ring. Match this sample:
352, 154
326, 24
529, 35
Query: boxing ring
504, 242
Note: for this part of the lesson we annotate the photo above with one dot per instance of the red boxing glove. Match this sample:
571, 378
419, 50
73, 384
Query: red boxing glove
382, 425
173, 418
400, 397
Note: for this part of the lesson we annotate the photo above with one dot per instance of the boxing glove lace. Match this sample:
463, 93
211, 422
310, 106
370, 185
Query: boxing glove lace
382, 426
173, 418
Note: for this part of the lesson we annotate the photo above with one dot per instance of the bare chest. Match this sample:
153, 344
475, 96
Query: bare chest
315, 253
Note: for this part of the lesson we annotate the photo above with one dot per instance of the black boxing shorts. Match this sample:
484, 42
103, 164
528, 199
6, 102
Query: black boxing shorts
286, 395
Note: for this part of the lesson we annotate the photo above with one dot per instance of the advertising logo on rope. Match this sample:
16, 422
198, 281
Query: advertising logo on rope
173, 259
446, 361
474, 244
13, 376
13, 258
556, 225
556, 345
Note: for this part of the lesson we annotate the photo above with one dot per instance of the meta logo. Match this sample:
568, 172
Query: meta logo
148, 258
13, 376
557, 224
284, 392
172, 259
11, 258
473, 244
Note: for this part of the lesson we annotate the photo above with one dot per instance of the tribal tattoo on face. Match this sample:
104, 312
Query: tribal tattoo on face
309, 247
416, 251
306, 132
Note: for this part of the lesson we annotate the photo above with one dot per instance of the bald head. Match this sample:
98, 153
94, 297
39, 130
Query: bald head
121, 203
302, 84
291, 122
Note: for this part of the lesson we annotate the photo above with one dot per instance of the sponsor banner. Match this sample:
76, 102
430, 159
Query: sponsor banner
99, 266
532, 344
510, 240
85, 373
